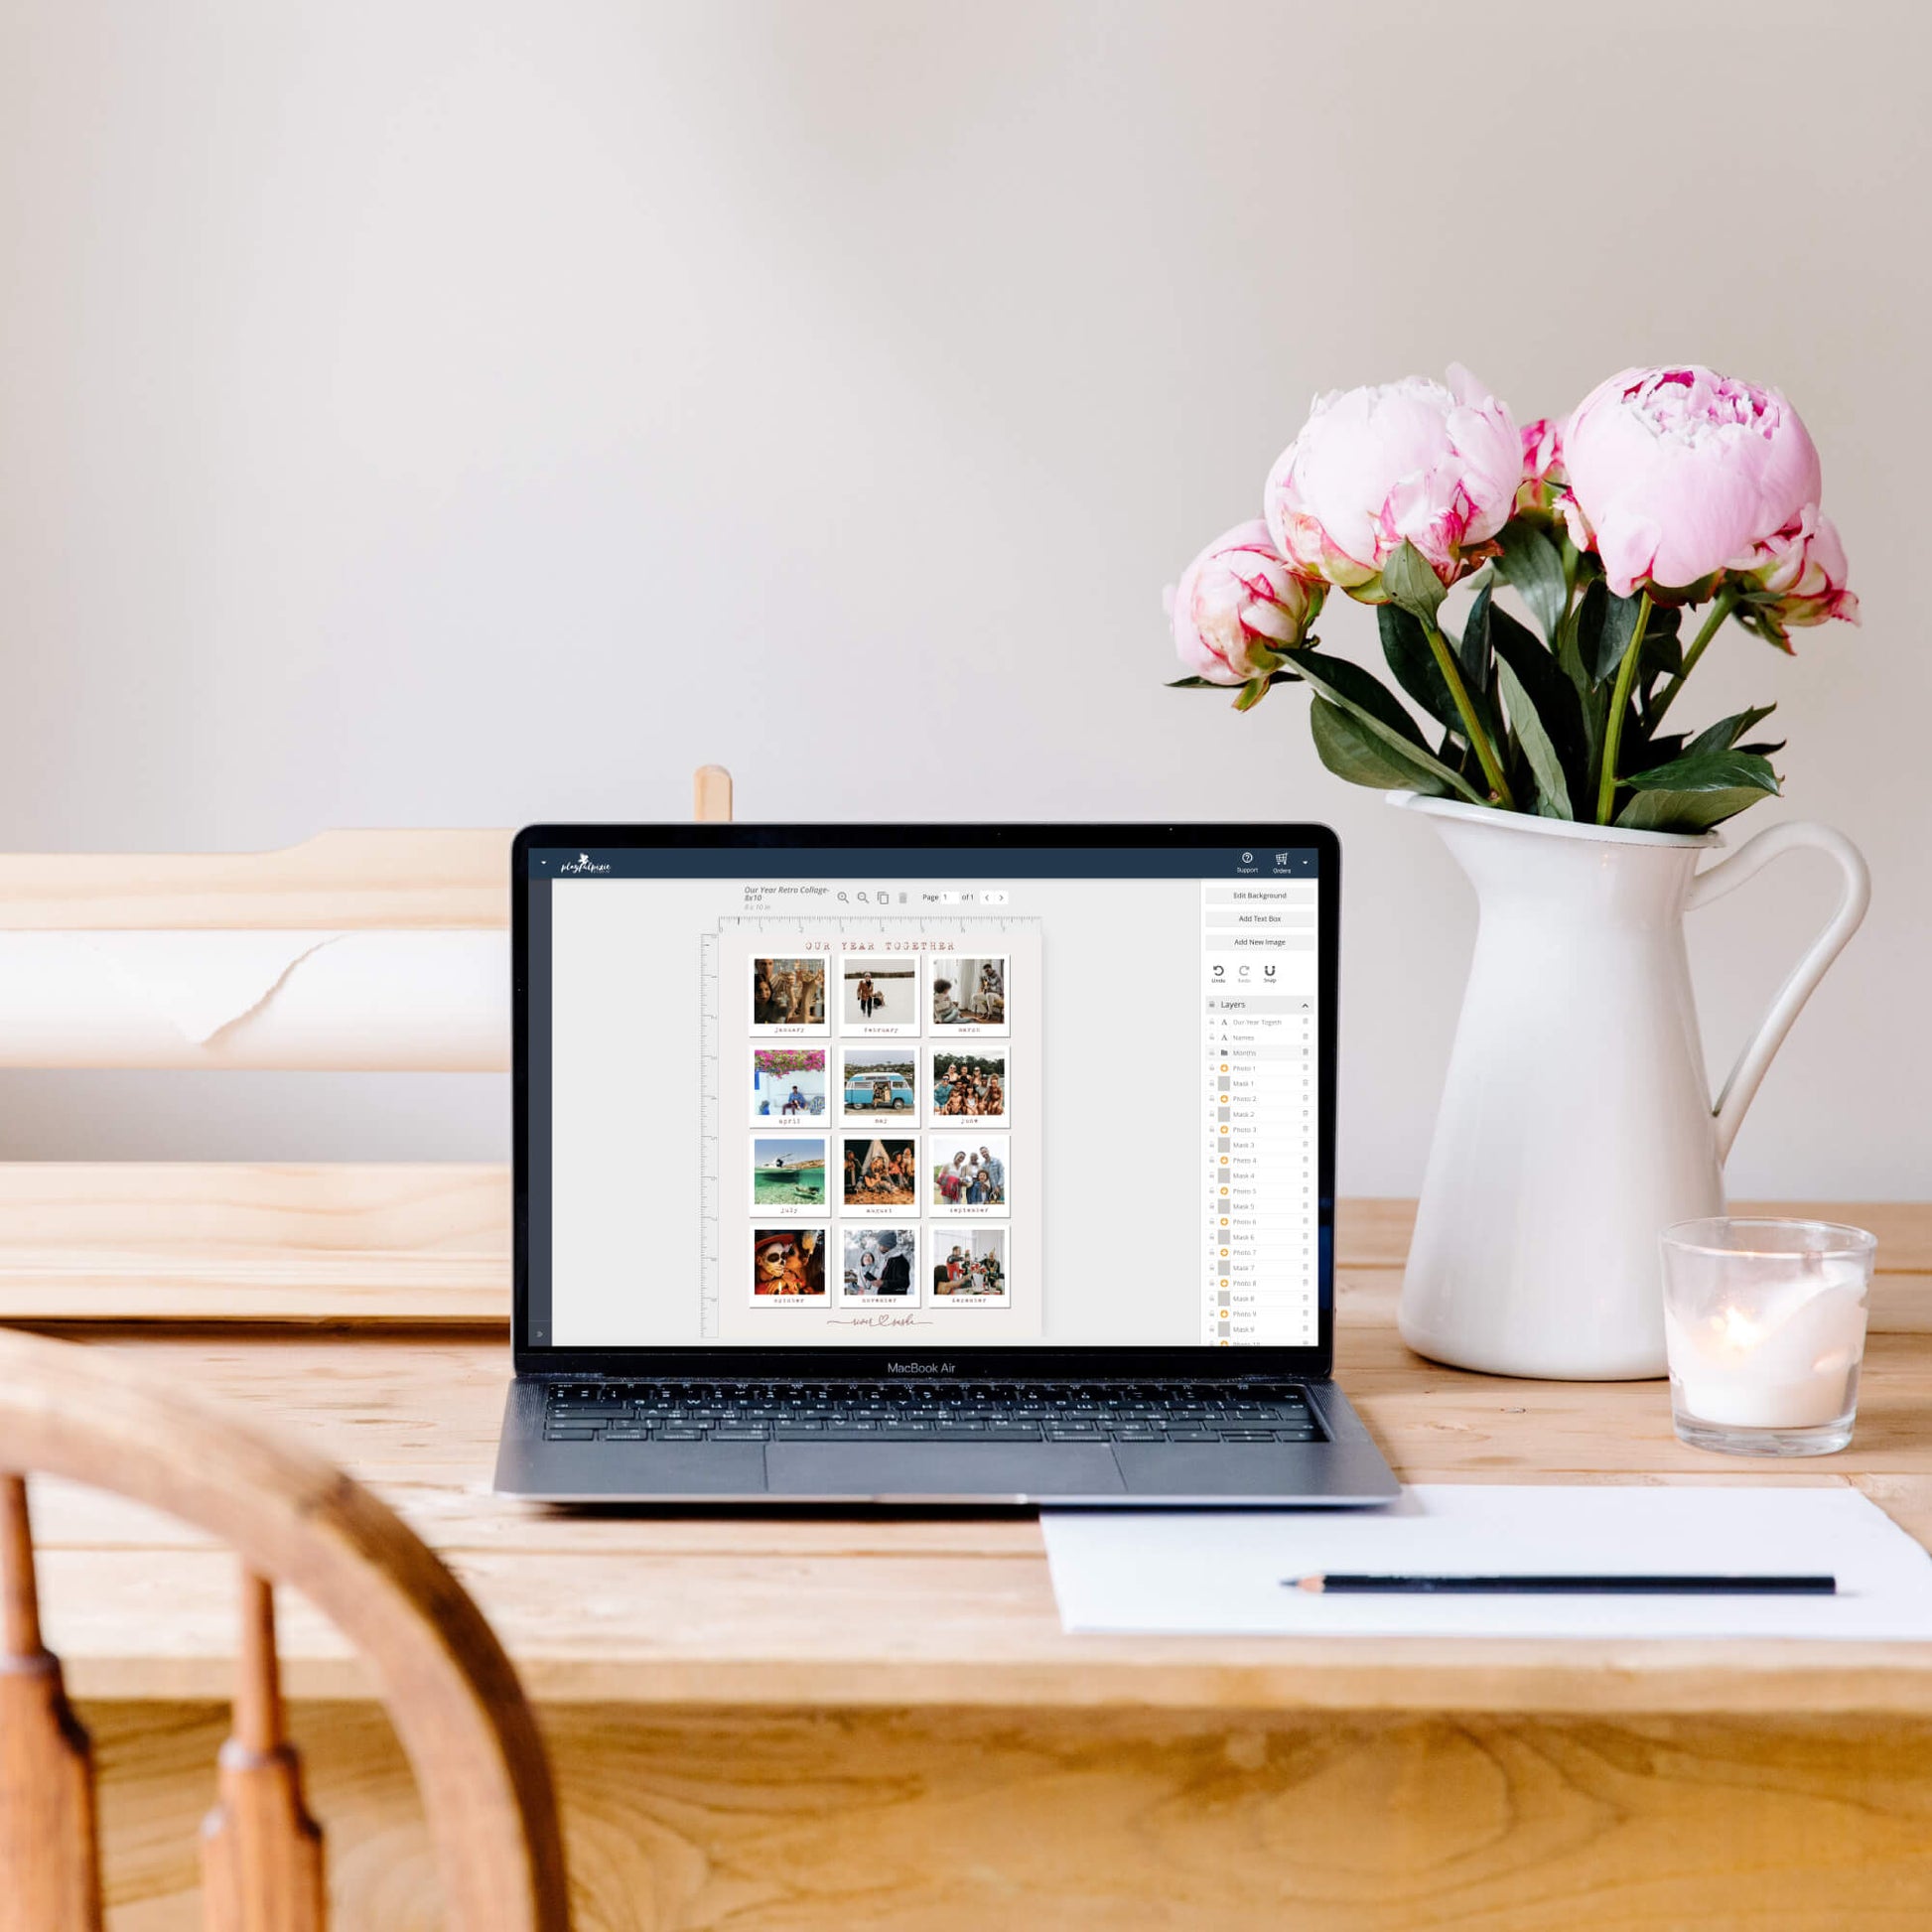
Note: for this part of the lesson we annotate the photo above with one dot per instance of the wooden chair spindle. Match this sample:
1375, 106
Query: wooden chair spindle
261, 1851
50, 1865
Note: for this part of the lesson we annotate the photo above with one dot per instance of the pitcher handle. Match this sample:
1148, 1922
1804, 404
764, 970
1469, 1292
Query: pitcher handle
1741, 1087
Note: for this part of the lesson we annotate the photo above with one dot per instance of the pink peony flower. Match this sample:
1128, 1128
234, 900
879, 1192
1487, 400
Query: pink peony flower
1543, 477
1410, 459
1798, 575
1677, 473
1238, 598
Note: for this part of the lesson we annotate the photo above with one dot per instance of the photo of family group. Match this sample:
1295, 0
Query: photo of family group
876, 1084
970, 1265
788, 995
968, 1086
881, 1173
788, 1084
879, 994
880, 1262
969, 1179
968, 993
788, 1265
788, 1170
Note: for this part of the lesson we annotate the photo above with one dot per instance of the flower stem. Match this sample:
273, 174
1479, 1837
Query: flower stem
1720, 610
1485, 752
1626, 674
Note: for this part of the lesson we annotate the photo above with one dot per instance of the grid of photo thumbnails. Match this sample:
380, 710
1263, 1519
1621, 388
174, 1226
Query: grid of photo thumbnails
881, 1101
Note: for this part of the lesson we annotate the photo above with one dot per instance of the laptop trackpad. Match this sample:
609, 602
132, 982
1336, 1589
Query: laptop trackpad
933, 1470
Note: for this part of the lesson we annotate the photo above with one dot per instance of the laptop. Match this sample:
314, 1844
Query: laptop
933, 1164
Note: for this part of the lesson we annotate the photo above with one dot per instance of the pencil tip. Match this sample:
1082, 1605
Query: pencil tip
1312, 1584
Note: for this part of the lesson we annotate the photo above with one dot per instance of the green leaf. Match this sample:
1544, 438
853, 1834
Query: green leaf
1473, 650
1351, 750
1553, 701
1411, 582
1211, 684
1343, 681
1532, 565
1569, 649
1551, 782
1694, 792
1373, 705
1725, 733
1663, 653
1604, 630
1414, 665
1656, 751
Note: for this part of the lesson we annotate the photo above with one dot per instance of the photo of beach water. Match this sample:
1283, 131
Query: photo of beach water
787, 1172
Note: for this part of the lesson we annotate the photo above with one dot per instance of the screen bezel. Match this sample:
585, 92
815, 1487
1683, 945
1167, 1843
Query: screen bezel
1008, 1361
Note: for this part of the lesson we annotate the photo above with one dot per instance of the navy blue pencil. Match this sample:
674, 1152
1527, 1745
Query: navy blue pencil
1334, 1583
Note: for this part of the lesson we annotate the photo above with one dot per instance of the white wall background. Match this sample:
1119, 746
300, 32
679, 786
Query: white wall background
425, 413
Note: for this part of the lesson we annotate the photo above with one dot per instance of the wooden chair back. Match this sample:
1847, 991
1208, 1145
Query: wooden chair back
86, 1415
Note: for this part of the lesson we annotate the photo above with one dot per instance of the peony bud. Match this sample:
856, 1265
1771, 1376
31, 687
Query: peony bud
1409, 460
1796, 578
1543, 473
1239, 604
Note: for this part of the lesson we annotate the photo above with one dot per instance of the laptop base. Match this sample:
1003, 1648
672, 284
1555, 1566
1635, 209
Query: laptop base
1344, 1470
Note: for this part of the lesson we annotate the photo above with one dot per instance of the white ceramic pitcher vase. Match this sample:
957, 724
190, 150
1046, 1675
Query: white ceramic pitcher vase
1576, 1123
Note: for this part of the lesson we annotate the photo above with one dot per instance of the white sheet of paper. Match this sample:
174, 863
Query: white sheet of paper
1213, 1573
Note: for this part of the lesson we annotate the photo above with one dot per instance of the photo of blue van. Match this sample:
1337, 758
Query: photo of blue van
877, 1083
877, 1092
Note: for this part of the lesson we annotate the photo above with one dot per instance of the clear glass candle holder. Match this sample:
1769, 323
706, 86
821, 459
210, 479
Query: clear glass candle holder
1764, 1328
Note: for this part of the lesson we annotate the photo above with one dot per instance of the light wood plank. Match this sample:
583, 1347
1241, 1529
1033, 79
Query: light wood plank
632, 1608
874, 1611
208, 1241
1374, 1232
187, 1241
682, 1820
344, 879
711, 794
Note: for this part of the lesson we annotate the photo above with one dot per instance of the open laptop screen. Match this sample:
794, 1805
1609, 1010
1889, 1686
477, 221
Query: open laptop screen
923, 1092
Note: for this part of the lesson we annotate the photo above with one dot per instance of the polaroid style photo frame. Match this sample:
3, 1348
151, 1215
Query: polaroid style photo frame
967, 1265
878, 1085
968, 1177
966, 994
879, 996
878, 1263
790, 995
968, 1084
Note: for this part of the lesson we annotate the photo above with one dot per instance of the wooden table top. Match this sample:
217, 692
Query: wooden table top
788, 1610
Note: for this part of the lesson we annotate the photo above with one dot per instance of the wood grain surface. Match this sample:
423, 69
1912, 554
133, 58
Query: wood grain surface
979, 1821
187, 1241
777, 1722
415, 1243
775, 1610
335, 881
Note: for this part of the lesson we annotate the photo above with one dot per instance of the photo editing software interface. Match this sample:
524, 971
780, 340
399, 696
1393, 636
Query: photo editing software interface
874, 1096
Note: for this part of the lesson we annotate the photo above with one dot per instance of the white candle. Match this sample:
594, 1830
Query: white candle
1783, 1361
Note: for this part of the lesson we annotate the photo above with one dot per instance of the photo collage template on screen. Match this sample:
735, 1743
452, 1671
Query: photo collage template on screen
879, 1130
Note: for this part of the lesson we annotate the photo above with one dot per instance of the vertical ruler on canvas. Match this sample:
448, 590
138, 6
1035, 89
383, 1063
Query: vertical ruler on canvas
708, 1180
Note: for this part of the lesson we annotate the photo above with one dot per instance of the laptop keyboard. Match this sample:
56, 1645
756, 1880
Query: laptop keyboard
926, 1412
